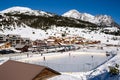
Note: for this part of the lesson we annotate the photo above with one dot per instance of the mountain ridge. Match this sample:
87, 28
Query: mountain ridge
41, 19
103, 20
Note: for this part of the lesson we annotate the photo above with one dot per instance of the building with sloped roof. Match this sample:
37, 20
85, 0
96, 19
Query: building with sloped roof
13, 70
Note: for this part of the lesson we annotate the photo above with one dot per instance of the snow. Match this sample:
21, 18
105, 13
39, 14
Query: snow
103, 68
111, 29
1, 44
85, 53
70, 75
25, 10
70, 61
18, 9
104, 19
33, 34
82, 16
99, 19
73, 14
14, 49
27, 32
64, 77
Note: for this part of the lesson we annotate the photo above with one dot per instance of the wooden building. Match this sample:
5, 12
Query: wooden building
5, 45
13, 70
22, 48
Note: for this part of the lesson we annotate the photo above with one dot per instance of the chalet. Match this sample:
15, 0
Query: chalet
39, 43
50, 42
22, 48
92, 42
13, 70
5, 45
69, 40
26, 41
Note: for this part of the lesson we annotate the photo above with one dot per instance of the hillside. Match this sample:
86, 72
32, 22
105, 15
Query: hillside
19, 20
38, 19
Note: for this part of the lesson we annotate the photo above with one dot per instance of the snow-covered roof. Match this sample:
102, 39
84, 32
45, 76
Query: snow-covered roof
1, 44
51, 40
19, 46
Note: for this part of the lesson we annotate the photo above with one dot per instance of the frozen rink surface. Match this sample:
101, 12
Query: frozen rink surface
70, 61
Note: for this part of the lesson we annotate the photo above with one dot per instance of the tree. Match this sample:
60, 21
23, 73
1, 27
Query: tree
63, 35
33, 32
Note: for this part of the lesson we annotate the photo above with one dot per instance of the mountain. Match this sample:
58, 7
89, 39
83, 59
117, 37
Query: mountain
26, 11
73, 14
23, 18
101, 20
37, 19
77, 15
9, 22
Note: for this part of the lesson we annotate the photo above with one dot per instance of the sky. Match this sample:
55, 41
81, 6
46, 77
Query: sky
94, 7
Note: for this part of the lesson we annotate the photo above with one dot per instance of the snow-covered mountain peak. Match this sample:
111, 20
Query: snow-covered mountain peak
73, 14
105, 17
82, 16
103, 20
73, 11
88, 15
26, 11
17, 9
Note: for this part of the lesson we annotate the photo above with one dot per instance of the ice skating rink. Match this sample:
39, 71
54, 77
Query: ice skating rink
69, 61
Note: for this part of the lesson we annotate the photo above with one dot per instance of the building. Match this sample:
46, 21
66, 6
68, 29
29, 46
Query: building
13, 70
22, 47
2, 38
39, 43
5, 45
15, 39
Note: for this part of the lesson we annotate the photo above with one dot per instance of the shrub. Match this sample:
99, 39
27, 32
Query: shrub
113, 70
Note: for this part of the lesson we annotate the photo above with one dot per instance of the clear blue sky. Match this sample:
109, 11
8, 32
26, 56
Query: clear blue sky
94, 7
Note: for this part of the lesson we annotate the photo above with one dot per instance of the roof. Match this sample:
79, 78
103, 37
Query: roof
1, 44
51, 40
19, 46
13, 70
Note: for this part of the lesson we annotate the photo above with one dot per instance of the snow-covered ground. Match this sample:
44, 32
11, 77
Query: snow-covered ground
57, 31
93, 73
55, 57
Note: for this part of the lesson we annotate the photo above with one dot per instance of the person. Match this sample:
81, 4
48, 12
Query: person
92, 57
27, 55
69, 54
44, 58
41, 54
